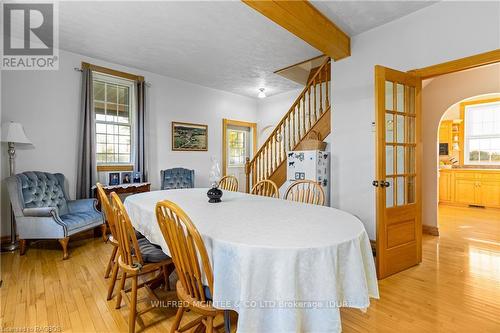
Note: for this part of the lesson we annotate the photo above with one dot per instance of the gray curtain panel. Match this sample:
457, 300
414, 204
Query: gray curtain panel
141, 158
87, 166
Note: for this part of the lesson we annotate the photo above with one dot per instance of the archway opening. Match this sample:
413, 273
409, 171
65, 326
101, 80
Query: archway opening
468, 159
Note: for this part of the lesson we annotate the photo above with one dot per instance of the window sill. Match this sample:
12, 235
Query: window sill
115, 167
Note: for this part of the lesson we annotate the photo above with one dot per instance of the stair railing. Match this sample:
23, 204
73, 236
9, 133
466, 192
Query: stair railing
307, 109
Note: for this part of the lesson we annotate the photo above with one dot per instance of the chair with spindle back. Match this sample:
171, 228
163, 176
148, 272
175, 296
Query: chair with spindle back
266, 188
136, 259
229, 183
306, 191
192, 264
108, 214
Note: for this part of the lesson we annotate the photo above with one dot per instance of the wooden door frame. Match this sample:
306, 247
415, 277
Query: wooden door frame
428, 72
458, 65
230, 122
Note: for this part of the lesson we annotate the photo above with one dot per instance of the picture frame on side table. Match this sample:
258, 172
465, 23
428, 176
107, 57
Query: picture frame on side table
114, 178
136, 177
126, 177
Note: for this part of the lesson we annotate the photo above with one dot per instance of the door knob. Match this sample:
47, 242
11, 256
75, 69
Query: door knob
375, 183
384, 183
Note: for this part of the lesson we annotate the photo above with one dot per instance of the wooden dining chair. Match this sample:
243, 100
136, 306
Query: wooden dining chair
137, 258
266, 188
192, 264
113, 239
229, 183
306, 191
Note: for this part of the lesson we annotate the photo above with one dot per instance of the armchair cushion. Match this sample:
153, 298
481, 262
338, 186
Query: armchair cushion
81, 219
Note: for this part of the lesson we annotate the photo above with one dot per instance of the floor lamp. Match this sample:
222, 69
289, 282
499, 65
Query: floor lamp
13, 133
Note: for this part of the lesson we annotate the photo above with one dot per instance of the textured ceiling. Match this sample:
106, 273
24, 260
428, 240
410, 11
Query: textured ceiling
223, 45
355, 17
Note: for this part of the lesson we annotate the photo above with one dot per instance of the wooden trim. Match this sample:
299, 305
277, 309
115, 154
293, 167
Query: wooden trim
229, 122
115, 167
458, 64
461, 137
113, 72
189, 124
303, 20
298, 64
430, 230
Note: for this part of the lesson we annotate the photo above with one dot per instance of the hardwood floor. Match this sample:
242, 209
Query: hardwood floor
455, 289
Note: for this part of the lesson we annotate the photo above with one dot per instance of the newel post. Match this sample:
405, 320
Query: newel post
247, 174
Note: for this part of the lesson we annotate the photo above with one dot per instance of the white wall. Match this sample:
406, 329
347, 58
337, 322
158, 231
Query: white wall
270, 110
437, 96
47, 104
435, 34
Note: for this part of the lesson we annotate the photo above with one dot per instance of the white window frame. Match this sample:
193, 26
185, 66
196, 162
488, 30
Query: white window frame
132, 117
468, 137
246, 137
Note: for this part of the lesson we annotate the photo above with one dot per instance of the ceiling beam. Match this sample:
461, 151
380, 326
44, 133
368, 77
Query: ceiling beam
306, 22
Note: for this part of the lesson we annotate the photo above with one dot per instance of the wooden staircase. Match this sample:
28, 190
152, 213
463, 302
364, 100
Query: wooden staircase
310, 112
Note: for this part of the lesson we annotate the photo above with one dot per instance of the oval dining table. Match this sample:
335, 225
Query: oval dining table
283, 266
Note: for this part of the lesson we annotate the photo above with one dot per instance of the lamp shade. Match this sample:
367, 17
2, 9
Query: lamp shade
14, 132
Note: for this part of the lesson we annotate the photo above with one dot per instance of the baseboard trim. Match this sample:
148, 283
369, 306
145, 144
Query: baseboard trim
430, 230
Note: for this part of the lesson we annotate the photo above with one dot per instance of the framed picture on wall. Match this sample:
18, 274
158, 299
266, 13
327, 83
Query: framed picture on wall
189, 137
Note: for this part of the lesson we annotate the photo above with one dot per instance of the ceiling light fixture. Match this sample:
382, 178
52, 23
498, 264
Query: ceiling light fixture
261, 94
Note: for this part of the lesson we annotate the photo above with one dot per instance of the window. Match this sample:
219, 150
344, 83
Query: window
114, 110
482, 133
237, 147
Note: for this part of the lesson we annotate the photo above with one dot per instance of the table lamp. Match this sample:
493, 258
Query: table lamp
13, 133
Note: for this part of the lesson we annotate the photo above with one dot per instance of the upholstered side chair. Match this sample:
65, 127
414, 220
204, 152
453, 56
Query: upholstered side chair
43, 209
176, 178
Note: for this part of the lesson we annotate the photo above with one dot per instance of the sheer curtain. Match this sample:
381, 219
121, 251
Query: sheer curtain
87, 166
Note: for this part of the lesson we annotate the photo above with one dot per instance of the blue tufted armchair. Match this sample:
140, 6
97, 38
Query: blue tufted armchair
43, 210
176, 178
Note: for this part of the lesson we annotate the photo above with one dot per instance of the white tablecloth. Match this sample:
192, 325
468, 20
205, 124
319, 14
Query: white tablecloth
283, 266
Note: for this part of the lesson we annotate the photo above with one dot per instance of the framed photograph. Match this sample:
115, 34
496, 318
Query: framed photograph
136, 177
189, 137
126, 177
114, 178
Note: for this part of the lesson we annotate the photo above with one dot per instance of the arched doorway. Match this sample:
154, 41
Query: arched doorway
438, 95
462, 157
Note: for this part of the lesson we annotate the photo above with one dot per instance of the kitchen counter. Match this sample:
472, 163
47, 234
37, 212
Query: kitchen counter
470, 187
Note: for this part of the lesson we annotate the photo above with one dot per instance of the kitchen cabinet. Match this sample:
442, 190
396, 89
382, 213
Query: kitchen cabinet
445, 188
470, 187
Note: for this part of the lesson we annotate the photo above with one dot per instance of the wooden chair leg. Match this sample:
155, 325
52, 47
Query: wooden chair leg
133, 306
64, 243
112, 282
210, 324
22, 247
104, 233
111, 261
177, 320
122, 286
